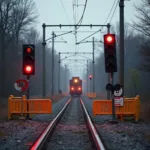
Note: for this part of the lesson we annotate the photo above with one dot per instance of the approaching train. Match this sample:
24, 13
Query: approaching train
75, 86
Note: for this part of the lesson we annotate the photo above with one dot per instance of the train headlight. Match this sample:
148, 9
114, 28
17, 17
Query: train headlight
76, 80
79, 88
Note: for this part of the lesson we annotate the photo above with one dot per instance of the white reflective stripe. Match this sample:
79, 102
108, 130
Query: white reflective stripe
17, 87
95, 134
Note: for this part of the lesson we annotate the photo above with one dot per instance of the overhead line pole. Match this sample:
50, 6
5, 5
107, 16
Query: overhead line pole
93, 67
52, 87
108, 77
59, 74
44, 67
87, 77
121, 69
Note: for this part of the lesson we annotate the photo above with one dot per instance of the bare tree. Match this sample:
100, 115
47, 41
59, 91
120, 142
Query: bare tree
15, 17
145, 53
32, 37
143, 17
143, 26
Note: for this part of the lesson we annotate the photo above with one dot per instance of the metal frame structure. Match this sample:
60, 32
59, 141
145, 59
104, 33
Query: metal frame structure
53, 36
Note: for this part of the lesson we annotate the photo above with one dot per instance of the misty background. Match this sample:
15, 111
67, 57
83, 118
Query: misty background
21, 23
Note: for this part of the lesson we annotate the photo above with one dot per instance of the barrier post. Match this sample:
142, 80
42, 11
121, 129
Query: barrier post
137, 98
9, 106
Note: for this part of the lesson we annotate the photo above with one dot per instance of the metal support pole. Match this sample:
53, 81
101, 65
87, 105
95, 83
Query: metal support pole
90, 85
93, 67
87, 78
113, 102
59, 74
108, 92
65, 87
53, 34
44, 67
121, 70
28, 95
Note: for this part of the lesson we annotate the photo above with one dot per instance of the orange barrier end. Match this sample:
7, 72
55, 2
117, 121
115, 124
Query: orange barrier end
131, 107
18, 105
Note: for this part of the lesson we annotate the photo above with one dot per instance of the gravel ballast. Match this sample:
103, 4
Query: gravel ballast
122, 136
20, 134
71, 133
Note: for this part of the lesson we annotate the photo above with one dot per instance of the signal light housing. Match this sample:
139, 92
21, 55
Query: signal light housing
110, 53
28, 59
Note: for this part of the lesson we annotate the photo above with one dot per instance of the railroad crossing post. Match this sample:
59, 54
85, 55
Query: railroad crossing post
44, 67
59, 74
108, 92
93, 67
65, 87
113, 103
28, 96
121, 68
87, 78
53, 36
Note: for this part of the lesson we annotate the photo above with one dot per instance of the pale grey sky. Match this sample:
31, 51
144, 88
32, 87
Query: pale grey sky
52, 12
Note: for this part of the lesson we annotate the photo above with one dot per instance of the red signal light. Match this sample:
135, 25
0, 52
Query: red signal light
29, 50
109, 39
28, 69
90, 76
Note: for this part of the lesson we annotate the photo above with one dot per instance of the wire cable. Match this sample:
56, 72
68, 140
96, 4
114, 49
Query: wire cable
80, 21
65, 11
110, 11
105, 20
114, 12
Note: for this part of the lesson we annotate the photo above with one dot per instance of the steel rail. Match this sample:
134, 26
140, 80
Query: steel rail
95, 135
41, 140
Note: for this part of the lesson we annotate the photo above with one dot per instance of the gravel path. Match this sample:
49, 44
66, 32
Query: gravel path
71, 133
121, 136
20, 135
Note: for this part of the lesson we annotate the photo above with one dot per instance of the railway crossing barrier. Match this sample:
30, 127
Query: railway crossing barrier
20, 105
91, 95
131, 107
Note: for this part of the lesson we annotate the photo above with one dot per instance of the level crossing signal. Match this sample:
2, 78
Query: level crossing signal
28, 59
110, 53
90, 77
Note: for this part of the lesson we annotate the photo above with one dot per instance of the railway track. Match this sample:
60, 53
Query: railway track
71, 129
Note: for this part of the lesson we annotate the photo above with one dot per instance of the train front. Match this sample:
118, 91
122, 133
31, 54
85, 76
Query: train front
75, 86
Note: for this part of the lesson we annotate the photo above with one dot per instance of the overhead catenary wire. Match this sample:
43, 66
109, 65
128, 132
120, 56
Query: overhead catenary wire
109, 12
80, 21
65, 11
105, 20
114, 12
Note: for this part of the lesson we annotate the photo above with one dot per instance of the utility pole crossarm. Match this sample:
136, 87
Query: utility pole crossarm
71, 25
89, 42
76, 53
